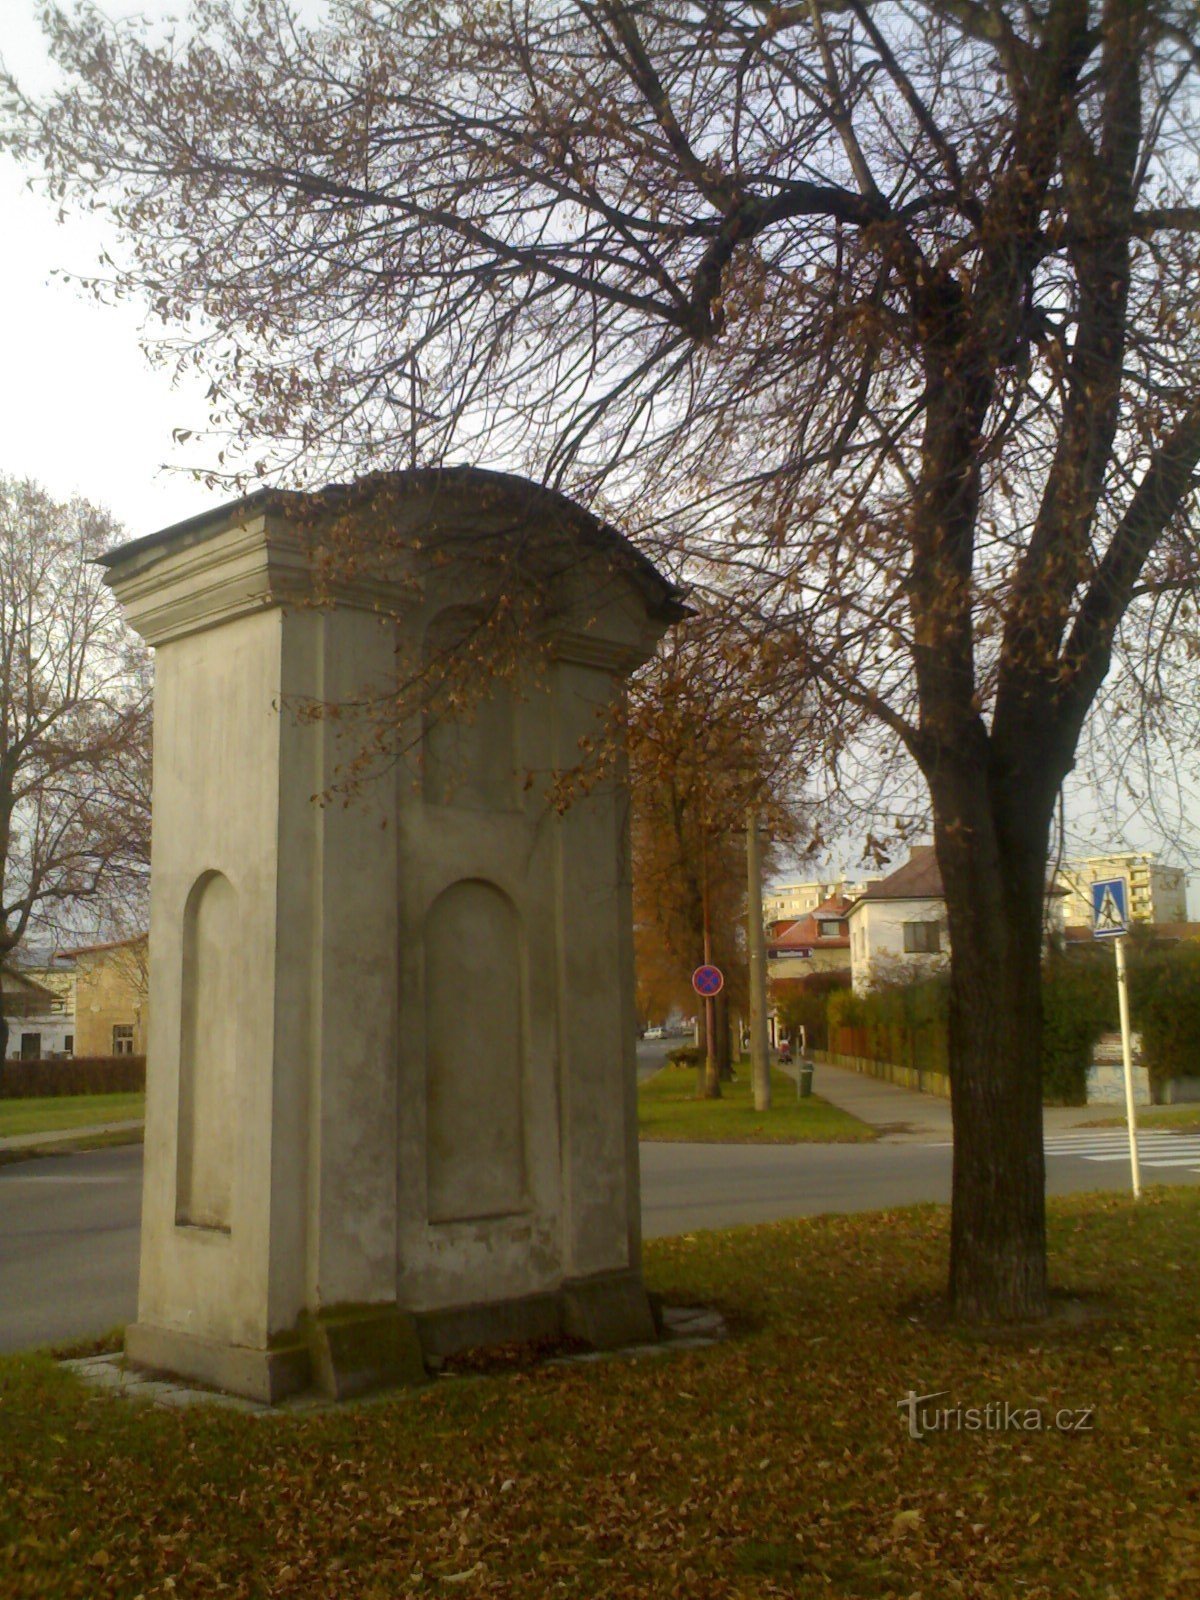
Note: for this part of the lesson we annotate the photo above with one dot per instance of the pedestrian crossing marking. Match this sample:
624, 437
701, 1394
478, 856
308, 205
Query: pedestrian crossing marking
1102, 1138
1155, 1148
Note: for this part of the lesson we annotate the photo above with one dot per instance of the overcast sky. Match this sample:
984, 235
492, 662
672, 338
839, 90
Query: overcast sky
80, 407
82, 410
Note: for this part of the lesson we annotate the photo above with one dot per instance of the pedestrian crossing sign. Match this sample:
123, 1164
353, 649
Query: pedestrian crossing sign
1109, 914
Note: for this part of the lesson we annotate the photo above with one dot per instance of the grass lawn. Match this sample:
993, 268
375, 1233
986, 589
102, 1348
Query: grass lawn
668, 1109
53, 1112
1156, 1117
777, 1464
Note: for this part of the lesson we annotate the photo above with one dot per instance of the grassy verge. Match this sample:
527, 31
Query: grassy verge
55, 1113
668, 1109
70, 1146
777, 1464
1156, 1117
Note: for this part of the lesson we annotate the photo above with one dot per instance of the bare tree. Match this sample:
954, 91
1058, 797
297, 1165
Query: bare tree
882, 312
74, 703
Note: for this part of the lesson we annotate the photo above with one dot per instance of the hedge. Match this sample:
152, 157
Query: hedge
1166, 1008
22, 1080
907, 1025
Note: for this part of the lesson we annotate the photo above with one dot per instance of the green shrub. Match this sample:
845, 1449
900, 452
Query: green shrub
803, 1003
1166, 1008
685, 1055
845, 1009
901, 1023
1079, 1002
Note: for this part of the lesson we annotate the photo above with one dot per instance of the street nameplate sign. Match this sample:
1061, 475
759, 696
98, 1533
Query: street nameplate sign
1110, 917
708, 981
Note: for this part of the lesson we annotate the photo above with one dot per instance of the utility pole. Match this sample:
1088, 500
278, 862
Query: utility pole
760, 1063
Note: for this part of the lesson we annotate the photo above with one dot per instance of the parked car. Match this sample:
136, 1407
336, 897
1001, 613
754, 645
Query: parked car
655, 1033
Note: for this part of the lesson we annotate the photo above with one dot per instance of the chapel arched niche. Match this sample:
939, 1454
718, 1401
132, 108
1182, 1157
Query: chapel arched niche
475, 1055
208, 1055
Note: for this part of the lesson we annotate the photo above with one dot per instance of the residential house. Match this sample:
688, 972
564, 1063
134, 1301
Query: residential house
111, 1004
898, 924
40, 1023
899, 929
818, 942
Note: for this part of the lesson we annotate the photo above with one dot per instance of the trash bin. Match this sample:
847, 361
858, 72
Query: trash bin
804, 1078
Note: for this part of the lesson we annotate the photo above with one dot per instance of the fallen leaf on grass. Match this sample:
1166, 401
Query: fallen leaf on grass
904, 1522
463, 1577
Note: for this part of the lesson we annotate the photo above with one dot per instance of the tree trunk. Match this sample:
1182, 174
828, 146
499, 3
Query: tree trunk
993, 874
708, 1078
724, 1052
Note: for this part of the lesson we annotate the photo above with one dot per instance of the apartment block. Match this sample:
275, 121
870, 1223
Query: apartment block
1157, 893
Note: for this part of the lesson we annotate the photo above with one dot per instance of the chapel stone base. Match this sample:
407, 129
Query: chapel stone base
267, 1376
340, 1354
605, 1313
609, 1312
347, 1353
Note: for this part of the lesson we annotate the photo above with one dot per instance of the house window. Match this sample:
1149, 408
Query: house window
69, 1045
31, 1046
123, 1039
922, 938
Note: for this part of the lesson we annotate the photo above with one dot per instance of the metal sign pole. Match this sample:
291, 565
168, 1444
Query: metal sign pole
1127, 1057
1110, 920
760, 1060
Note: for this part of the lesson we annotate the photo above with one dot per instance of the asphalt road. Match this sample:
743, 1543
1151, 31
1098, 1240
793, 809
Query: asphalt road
69, 1224
68, 1245
651, 1053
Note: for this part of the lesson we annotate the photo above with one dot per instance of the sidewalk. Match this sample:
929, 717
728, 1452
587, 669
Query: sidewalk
38, 1141
898, 1115
906, 1116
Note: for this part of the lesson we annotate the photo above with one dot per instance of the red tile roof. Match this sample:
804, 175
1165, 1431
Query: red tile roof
805, 934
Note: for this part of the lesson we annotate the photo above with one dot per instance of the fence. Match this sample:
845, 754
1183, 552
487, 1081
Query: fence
925, 1079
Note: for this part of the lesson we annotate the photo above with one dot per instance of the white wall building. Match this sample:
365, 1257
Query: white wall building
38, 1038
1157, 893
899, 930
39, 1009
898, 925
